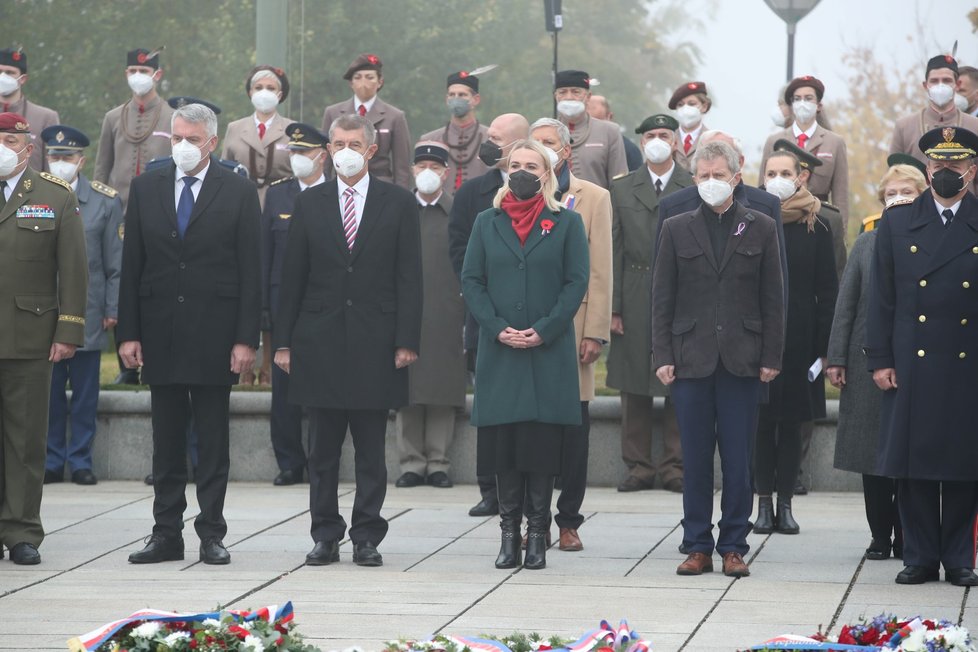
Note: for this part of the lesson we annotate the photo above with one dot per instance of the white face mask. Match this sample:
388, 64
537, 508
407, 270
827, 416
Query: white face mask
302, 166
427, 182
804, 110
65, 170
960, 102
8, 83
140, 83
657, 150
348, 162
264, 100
777, 117
8, 160
186, 155
940, 94
714, 192
553, 156
570, 108
780, 187
898, 198
688, 116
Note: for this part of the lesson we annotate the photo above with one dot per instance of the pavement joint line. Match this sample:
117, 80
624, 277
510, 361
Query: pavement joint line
435, 552
94, 516
652, 549
510, 575
845, 596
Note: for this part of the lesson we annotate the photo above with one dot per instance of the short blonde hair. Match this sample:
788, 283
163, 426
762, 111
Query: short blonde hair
901, 172
548, 182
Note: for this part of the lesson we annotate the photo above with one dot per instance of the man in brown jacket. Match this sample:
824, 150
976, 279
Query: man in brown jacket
13, 76
463, 135
597, 153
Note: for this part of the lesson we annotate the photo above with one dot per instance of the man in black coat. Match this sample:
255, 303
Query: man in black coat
348, 325
473, 197
189, 307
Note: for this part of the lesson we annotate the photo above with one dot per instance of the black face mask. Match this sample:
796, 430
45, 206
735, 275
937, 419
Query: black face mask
946, 182
490, 153
524, 184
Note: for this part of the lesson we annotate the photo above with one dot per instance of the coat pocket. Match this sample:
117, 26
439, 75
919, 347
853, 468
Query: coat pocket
35, 238
754, 336
682, 338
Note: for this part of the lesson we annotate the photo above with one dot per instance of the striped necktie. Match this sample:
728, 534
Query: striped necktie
349, 217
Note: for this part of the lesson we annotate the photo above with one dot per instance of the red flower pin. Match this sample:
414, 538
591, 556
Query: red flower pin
141, 57
372, 58
15, 56
546, 225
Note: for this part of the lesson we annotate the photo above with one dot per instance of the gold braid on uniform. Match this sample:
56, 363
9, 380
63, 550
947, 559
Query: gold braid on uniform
53, 179
100, 187
74, 319
139, 138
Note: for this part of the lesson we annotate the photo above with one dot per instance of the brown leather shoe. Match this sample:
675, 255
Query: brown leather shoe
734, 566
696, 563
569, 541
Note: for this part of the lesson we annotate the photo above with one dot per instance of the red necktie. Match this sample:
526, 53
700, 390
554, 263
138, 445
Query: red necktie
362, 110
458, 178
687, 144
802, 139
261, 130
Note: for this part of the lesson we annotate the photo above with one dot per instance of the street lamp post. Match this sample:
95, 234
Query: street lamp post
791, 11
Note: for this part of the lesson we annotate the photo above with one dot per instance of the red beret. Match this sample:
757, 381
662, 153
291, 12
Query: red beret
14, 123
801, 82
685, 91
363, 62
278, 72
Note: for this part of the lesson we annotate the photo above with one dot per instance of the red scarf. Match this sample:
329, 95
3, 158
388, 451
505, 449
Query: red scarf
523, 212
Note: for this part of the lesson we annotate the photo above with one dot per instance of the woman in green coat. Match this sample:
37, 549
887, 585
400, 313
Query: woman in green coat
525, 273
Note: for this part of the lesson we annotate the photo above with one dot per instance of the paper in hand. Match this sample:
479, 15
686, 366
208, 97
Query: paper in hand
815, 370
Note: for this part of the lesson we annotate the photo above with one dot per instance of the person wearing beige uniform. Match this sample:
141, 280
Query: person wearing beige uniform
690, 102
463, 135
13, 76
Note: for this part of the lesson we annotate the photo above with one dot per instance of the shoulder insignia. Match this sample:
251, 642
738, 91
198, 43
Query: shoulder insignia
619, 176
108, 191
278, 181
902, 202
56, 180
122, 231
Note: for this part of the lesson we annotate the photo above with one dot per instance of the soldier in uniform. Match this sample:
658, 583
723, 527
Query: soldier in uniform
42, 306
597, 153
635, 204
463, 135
831, 178
599, 108
922, 347
307, 158
101, 213
392, 161
13, 76
690, 102
436, 382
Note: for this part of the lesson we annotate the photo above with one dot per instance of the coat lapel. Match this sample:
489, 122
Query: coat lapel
643, 189
816, 141
504, 226
536, 233
249, 135
21, 194
740, 216
166, 178
956, 238
697, 226
275, 131
333, 218
212, 184
373, 206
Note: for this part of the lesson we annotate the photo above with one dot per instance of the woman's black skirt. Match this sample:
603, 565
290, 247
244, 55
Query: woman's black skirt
525, 446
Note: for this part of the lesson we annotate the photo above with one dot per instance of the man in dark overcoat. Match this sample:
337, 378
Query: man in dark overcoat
922, 348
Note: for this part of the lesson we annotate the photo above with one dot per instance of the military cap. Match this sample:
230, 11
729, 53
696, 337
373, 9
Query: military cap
64, 139
942, 61
283, 80
657, 121
431, 151
15, 57
462, 77
686, 90
364, 62
304, 137
14, 123
906, 159
801, 82
949, 144
806, 159
572, 79
144, 57
183, 100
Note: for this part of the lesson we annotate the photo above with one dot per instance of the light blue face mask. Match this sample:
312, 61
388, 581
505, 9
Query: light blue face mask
459, 106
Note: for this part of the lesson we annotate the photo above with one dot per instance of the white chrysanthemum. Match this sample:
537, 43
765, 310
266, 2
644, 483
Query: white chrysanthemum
915, 642
146, 630
245, 624
211, 623
176, 637
956, 638
252, 644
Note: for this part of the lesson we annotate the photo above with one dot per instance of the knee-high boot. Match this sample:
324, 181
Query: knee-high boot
540, 489
510, 488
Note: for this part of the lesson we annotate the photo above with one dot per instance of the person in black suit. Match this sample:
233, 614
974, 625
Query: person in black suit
307, 147
189, 309
348, 325
718, 333
473, 197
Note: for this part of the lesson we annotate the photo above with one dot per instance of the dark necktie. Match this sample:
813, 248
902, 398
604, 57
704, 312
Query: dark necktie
948, 217
362, 110
802, 139
186, 205
3, 193
658, 187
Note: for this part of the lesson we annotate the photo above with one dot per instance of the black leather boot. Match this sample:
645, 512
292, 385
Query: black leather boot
510, 487
539, 492
786, 522
764, 523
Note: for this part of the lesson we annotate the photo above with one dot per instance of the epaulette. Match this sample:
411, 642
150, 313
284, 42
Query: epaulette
869, 223
619, 176
278, 181
902, 202
58, 180
108, 191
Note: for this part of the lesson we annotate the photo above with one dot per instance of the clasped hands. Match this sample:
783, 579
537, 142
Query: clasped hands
518, 339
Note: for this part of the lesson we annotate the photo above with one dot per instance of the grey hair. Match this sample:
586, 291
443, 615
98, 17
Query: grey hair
714, 150
263, 74
196, 114
563, 133
353, 122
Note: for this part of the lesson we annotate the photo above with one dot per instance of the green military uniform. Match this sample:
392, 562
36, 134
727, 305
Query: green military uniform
43, 292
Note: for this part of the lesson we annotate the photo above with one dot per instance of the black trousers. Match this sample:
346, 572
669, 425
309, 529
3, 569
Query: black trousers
286, 424
777, 456
327, 430
882, 512
938, 522
573, 479
172, 409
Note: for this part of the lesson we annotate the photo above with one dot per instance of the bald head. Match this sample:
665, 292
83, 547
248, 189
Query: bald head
505, 130
715, 135
598, 108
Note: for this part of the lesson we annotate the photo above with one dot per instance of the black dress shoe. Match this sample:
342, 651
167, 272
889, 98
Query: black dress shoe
212, 551
365, 554
917, 575
675, 485
159, 548
409, 479
485, 507
439, 479
149, 479
52, 477
631, 483
800, 488
878, 549
84, 476
127, 377
324, 552
25, 554
288, 477
961, 577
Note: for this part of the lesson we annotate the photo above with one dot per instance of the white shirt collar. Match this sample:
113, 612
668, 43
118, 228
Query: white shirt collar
954, 209
663, 178
360, 186
423, 203
796, 130
74, 184
267, 123
695, 133
369, 103
321, 179
13, 181
199, 176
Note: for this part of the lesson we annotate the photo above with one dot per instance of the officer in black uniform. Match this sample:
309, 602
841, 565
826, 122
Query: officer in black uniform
308, 156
